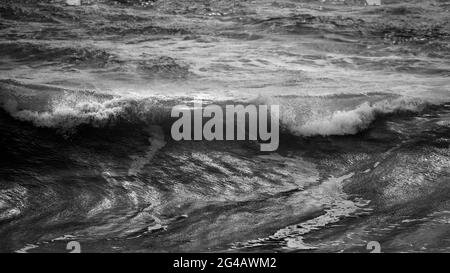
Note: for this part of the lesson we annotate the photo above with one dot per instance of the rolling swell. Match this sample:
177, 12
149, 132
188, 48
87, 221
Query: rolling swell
140, 193
151, 185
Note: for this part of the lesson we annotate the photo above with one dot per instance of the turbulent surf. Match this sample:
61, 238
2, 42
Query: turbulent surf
86, 94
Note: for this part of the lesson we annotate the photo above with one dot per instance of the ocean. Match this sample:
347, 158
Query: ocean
86, 94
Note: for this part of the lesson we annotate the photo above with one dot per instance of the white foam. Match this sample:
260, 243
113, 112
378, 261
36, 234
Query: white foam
345, 122
71, 110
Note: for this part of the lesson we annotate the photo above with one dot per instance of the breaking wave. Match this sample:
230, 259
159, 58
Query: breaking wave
66, 113
352, 121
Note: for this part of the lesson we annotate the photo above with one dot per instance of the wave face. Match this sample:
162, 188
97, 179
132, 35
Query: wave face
85, 100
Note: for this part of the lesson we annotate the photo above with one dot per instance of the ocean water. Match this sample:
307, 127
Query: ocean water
86, 94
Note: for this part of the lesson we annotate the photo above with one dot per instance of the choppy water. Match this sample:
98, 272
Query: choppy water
86, 94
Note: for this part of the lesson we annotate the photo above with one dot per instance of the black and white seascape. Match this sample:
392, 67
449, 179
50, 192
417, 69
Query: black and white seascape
362, 95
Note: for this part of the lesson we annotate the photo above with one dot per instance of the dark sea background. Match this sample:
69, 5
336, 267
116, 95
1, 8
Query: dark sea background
86, 94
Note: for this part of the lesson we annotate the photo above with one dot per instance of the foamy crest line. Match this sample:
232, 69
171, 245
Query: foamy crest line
65, 116
345, 122
69, 112
301, 116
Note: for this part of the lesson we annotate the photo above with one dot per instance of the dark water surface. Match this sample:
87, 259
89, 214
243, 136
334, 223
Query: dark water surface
86, 93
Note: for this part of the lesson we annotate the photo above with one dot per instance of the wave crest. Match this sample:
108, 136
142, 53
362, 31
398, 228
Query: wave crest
348, 122
300, 116
66, 114
339, 115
